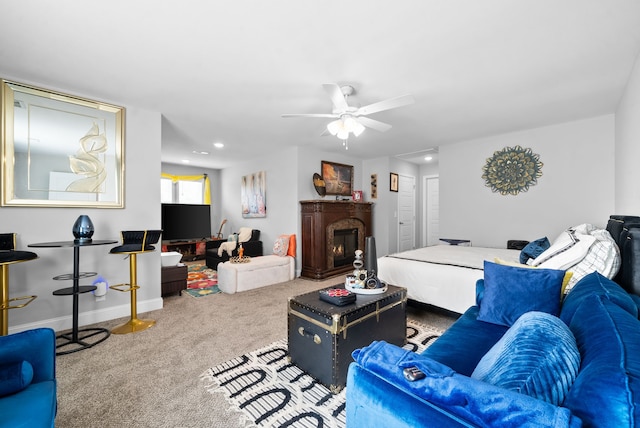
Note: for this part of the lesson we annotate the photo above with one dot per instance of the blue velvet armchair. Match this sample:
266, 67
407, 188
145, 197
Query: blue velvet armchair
28, 379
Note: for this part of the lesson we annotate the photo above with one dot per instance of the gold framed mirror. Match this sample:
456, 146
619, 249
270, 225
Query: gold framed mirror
60, 150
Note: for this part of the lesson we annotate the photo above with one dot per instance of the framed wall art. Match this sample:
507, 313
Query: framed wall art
374, 186
338, 178
254, 195
60, 150
393, 182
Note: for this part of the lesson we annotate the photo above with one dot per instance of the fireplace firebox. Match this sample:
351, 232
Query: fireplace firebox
345, 244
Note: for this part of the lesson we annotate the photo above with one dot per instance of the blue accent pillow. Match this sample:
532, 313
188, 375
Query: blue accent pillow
538, 356
510, 291
14, 377
534, 249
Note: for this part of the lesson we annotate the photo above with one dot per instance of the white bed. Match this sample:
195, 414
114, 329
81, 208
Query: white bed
442, 275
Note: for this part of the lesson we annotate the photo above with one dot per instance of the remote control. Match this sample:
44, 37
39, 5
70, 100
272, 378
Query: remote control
413, 373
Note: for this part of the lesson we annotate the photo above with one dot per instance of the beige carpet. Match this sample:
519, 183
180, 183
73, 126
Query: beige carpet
152, 378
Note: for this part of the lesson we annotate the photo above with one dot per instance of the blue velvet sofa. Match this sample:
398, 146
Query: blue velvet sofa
28, 379
604, 391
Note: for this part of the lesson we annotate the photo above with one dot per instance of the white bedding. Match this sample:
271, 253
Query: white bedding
442, 275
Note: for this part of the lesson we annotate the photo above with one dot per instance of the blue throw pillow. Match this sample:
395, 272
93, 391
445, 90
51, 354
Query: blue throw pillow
534, 249
510, 291
15, 377
537, 356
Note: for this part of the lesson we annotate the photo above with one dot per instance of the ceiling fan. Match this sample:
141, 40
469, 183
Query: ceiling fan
350, 119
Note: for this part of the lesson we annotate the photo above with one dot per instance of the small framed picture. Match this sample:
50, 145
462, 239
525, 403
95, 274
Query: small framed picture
357, 195
393, 182
374, 186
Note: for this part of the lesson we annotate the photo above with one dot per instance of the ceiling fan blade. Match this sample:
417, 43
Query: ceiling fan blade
337, 98
374, 124
311, 115
400, 101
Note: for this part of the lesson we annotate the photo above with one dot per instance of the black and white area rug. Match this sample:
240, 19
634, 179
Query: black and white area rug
268, 391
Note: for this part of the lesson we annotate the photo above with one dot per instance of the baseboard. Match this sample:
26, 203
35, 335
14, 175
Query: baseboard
91, 317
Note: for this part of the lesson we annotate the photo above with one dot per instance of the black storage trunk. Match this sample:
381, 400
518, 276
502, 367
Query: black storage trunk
323, 336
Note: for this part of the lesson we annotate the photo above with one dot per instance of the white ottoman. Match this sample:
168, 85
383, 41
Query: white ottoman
259, 272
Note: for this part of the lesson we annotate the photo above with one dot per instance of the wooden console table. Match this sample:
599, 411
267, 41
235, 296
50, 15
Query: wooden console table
191, 250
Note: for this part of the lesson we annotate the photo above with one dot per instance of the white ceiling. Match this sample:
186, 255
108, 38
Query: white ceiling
224, 71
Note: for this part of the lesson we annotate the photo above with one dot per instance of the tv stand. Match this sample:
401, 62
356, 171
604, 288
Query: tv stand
191, 249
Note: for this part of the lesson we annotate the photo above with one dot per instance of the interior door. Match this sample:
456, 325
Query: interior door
406, 213
431, 210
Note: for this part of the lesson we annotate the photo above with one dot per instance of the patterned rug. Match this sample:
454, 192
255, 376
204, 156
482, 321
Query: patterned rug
201, 281
268, 391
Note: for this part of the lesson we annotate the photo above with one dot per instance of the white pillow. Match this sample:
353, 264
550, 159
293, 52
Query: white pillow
244, 234
567, 250
603, 257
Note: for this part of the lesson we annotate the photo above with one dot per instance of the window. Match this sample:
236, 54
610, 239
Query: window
166, 191
181, 192
189, 192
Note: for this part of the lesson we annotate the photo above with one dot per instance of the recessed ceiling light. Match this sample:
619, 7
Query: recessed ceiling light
428, 158
185, 161
218, 145
200, 153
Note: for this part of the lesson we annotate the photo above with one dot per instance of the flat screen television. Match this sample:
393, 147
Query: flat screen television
181, 222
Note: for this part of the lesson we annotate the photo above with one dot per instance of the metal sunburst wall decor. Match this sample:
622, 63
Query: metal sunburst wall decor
512, 170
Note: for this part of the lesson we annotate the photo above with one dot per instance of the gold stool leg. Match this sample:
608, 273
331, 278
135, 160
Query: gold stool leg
134, 324
4, 300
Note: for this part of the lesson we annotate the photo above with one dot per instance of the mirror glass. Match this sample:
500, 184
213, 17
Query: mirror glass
60, 150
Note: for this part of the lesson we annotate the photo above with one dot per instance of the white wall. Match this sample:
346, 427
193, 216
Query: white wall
281, 196
382, 207
628, 147
576, 186
142, 211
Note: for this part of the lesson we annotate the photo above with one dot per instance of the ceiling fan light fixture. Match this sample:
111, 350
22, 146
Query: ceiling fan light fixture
351, 119
334, 127
343, 134
344, 126
354, 126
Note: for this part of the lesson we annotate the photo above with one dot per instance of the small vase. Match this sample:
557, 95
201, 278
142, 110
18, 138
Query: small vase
83, 229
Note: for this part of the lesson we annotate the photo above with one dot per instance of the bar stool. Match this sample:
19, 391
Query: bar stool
9, 255
134, 242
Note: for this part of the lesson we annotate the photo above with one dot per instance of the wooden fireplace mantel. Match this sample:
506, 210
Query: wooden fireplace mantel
317, 217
